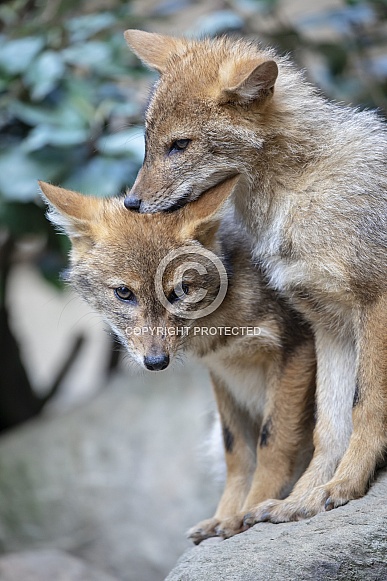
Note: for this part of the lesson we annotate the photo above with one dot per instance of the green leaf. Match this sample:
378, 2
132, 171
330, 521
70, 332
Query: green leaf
87, 55
44, 74
17, 55
130, 141
125, 110
43, 135
84, 27
63, 115
20, 171
216, 23
21, 218
102, 176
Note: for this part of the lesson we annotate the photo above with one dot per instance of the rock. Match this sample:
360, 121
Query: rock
345, 544
47, 566
116, 481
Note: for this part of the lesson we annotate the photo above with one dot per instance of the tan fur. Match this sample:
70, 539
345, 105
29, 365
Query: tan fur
264, 384
313, 196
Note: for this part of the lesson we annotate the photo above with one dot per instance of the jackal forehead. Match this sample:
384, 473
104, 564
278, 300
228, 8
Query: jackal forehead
172, 107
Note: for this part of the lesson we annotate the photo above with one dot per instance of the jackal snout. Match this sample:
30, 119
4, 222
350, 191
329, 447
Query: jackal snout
156, 362
135, 197
132, 202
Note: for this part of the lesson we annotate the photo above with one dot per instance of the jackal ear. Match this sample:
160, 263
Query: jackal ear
69, 211
202, 216
244, 82
153, 49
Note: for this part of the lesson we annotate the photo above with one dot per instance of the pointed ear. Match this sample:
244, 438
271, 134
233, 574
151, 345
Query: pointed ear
70, 211
153, 49
201, 217
247, 81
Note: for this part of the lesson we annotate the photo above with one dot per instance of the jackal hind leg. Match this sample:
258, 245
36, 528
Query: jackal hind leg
368, 442
336, 379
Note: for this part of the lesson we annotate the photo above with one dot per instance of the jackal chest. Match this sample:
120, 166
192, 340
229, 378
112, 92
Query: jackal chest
319, 293
247, 383
298, 245
245, 366
312, 276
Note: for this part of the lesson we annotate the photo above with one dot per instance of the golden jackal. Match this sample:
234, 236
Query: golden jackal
261, 355
313, 196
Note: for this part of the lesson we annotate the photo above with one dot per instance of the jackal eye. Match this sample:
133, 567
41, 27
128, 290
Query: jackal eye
124, 294
179, 145
175, 296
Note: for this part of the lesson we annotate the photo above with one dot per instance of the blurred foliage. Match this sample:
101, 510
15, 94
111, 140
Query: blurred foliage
343, 48
72, 94
66, 115
70, 110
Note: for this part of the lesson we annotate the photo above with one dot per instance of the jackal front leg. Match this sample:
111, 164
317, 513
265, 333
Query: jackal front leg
239, 437
284, 446
368, 442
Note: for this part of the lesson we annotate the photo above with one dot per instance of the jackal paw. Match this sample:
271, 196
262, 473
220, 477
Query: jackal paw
214, 527
277, 511
203, 530
231, 526
339, 492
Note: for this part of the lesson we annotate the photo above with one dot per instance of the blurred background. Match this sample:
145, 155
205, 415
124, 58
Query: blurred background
96, 462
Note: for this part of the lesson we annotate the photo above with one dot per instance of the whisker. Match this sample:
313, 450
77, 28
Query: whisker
70, 300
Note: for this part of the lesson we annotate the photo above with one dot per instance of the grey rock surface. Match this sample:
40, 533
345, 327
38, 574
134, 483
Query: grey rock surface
47, 566
116, 481
346, 544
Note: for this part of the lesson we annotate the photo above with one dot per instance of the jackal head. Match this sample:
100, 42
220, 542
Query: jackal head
145, 274
207, 119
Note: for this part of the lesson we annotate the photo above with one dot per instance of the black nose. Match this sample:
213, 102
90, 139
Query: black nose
156, 362
131, 202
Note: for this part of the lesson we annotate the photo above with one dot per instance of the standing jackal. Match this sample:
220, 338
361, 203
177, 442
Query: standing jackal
313, 195
259, 351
